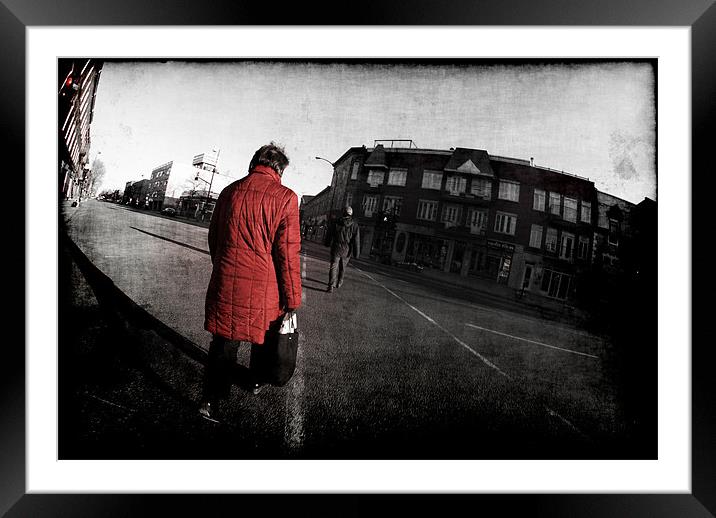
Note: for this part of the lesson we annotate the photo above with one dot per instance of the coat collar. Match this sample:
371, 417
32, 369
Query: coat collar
264, 169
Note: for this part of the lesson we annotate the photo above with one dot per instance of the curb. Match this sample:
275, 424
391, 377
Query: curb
124, 310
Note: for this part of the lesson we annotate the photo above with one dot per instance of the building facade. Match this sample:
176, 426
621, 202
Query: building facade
190, 189
465, 212
136, 194
78, 80
314, 212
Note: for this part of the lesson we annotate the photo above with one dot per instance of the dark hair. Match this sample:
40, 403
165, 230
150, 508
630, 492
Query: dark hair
271, 155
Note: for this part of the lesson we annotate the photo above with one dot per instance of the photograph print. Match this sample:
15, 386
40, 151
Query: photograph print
357, 258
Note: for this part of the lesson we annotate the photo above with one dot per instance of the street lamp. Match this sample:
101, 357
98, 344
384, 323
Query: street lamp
333, 182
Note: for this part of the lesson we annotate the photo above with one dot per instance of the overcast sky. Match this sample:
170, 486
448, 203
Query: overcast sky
593, 120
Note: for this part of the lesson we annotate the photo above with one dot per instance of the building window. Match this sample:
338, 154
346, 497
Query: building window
427, 210
550, 242
603, 221
432, 180
567, 246
477, 219
505, 223
349, 199
555, 284
555, 200
539, 199
451, 214
583, 249
397, 176
391, 203
536, 236
354, 170
509, 191
570, 209
613, 232
375, 178
455, 184
586, 214
482, 188
370, 202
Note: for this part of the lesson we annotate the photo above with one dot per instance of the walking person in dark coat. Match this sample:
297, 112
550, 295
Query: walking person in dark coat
344, 239
254, 243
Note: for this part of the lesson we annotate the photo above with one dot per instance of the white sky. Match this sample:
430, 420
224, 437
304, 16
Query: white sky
595, 120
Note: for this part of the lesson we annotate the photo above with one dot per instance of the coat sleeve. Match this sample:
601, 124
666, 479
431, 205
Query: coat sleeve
356, 242
328, 237
287, 245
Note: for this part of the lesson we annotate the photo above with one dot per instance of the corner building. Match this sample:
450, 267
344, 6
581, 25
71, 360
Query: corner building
470, 214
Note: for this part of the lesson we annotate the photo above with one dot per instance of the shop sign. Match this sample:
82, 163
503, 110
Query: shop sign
501, 246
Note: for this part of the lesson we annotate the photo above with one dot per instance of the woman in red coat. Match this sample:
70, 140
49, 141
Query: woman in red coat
254, 242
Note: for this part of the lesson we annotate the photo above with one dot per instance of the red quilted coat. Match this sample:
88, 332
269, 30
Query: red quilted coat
254, 242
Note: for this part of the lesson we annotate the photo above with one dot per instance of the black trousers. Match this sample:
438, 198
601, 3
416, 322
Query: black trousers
223, 368
337, 270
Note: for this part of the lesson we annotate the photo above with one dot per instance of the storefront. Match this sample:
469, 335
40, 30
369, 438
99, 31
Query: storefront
427, 251
499, 260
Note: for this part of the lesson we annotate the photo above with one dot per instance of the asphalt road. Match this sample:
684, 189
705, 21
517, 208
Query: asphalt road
388, 368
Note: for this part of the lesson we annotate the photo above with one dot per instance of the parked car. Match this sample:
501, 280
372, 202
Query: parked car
169, 211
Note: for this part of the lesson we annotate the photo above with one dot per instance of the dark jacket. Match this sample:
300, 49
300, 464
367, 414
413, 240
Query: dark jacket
344, 238
254, 242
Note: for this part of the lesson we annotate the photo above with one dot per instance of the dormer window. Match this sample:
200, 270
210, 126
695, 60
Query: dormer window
455, 184
375, 178
482, 188
397, 177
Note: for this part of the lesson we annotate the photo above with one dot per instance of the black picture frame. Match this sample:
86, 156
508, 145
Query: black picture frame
699, 15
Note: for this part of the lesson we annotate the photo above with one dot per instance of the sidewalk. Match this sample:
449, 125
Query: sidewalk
471, 288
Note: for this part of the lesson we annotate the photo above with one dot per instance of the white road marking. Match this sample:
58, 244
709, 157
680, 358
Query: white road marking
565, 421
432, 321
512, 314
293, 430
531, 341
109, 402
463, 344
303, 276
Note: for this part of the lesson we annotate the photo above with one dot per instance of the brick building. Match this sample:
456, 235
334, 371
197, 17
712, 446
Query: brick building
78, 80
471, 214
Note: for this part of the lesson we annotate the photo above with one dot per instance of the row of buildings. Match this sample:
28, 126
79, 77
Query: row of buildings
77, 90
471, 214
190, 189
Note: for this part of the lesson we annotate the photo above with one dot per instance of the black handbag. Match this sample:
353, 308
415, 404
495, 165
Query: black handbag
275, 360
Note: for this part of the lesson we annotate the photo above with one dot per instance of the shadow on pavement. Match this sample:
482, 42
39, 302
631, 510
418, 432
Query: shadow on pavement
122, 311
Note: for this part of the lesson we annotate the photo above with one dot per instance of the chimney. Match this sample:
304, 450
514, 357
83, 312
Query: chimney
532, 161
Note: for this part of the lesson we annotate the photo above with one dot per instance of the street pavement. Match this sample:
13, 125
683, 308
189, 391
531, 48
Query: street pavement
388, 366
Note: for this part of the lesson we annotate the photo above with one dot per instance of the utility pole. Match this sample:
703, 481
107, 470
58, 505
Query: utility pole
213, 172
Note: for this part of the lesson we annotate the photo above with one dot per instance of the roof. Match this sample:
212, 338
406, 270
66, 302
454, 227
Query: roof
377, 158
470, 161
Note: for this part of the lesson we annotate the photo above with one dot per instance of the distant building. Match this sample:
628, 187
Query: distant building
135, 194
175, 184
314, 214
472, 214
613, 225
